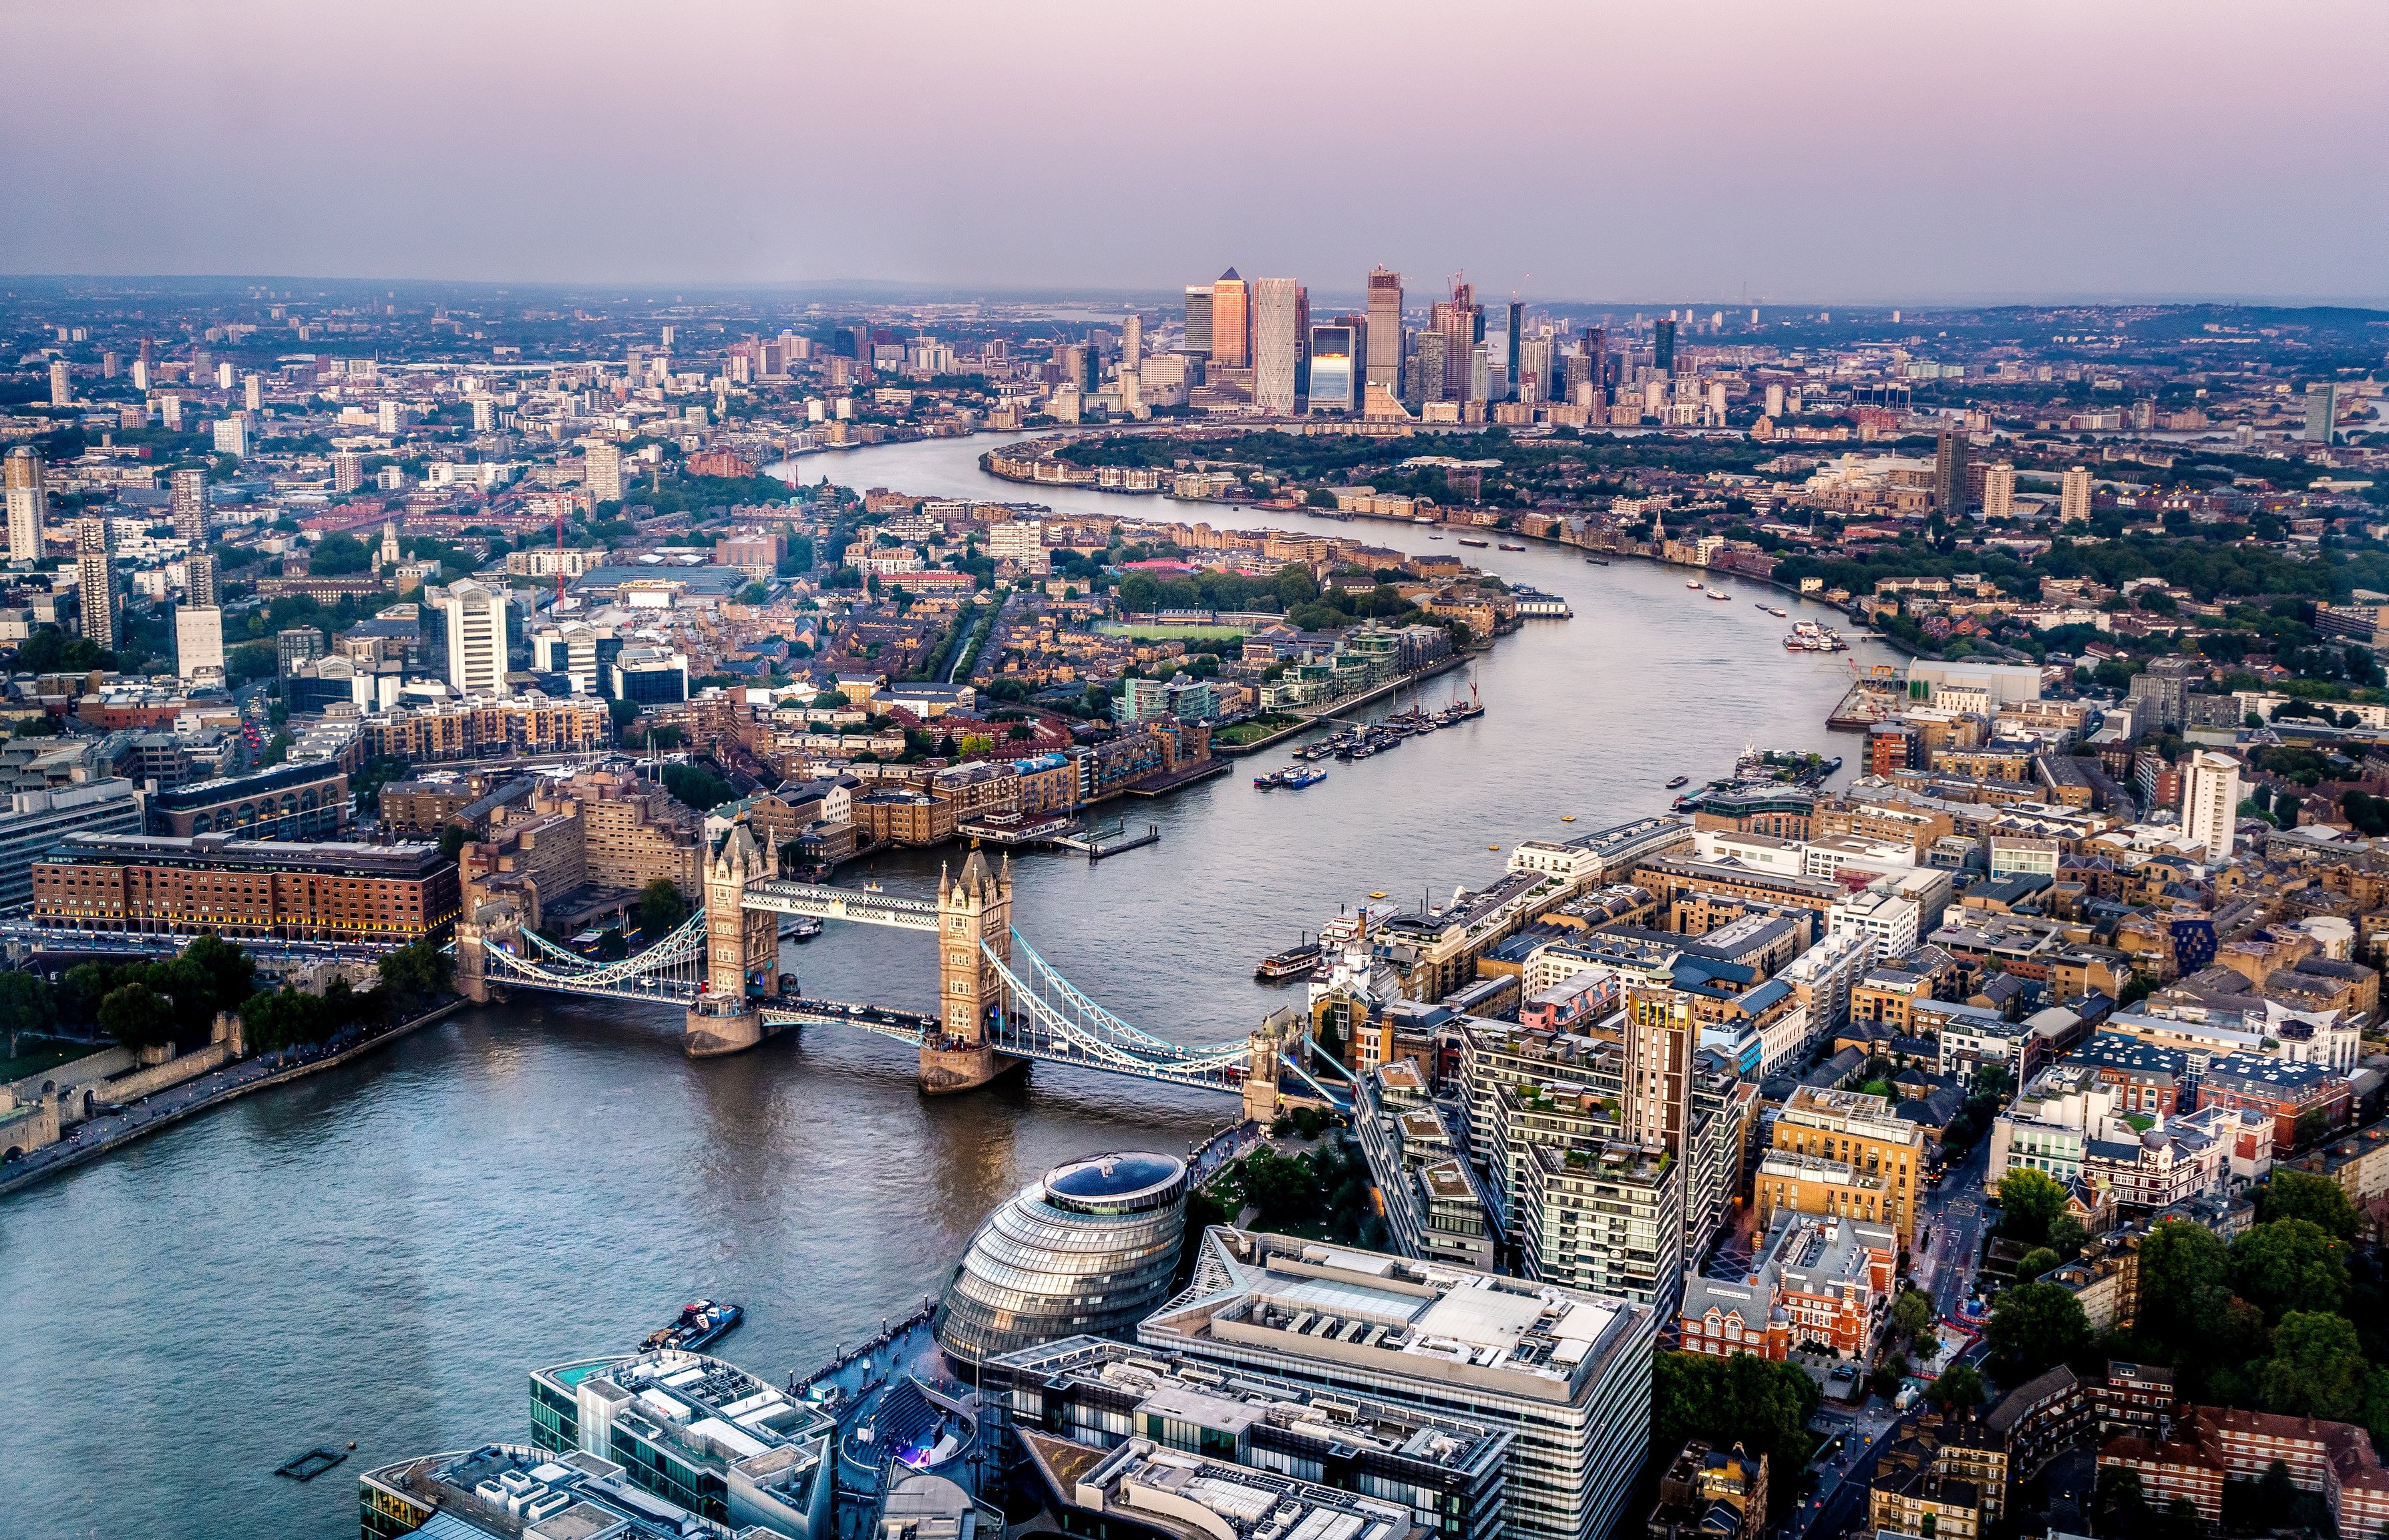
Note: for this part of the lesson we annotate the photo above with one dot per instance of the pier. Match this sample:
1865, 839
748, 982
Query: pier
1099, 843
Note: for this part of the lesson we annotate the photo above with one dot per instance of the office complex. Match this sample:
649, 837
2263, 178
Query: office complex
1385, 331
1198, 320
475, 619
1335, 367
1663, 346
1089, 1250
198, 641
1101, 1394
269, 889
1566, 1374
37, 820
1232, 322
702, 1434
1278, 326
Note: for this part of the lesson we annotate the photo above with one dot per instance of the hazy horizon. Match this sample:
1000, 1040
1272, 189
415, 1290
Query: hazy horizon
1723, 154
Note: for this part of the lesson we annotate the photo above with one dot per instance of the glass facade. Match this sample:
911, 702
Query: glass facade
1089, 1251
1335, 372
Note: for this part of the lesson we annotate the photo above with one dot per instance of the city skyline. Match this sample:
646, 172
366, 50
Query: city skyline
1718, 158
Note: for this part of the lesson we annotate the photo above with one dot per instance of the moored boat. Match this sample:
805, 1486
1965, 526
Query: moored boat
696, 1325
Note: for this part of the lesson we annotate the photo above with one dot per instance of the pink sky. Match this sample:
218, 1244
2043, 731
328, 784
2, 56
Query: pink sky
1654, 151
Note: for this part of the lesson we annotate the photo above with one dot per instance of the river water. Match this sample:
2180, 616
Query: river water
382, 1252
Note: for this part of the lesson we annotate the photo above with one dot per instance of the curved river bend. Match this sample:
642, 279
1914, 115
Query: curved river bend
381, 1253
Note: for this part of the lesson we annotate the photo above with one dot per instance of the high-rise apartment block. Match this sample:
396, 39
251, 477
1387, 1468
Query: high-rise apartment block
199, 579
198, 640
95, 582
29, 504
62, 384
1428, 377
1277, 343
232, 435
188, 504
348, 471
1998, 489
1663, 346
2073, 495
602, 473
2210, 803
1131, 343
1949, 473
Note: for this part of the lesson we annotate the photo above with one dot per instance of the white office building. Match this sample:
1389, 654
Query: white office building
1566, 1373
477, 638
198, 641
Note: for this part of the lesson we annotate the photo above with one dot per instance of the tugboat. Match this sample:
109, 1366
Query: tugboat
1295, 780
1692, 584
1294, 962
696, 1325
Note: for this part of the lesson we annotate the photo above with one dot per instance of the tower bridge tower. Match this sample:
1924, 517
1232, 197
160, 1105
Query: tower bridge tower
741, 948
973, 918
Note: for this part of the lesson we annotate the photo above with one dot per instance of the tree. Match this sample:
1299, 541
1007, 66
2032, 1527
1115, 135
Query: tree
2316, 1369
2305, 1195
1283, 1188
2034, 1326
1912, 1313
695, 787
2029, 1202
2185, 1279
1763, 1406
2066, 1237
832, 700
661, 907
453, 841
2290, 1266
137, 1016
417, 971
335, 554
26, 1008
1295, 585
1960, 1386
2035, 1263
623, 713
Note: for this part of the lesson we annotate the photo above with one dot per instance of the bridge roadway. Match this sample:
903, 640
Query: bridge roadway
860, 906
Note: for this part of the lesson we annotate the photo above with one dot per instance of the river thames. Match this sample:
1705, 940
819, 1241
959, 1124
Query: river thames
383, 1252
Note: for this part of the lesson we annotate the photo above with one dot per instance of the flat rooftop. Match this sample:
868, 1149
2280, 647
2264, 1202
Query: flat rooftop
1391, 1315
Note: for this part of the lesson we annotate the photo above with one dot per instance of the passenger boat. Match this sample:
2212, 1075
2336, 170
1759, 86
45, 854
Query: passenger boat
696, 1325
1479, 544
1269, 782
798, 927
1679, 780
1296, 779
1294, 962
1506, 546
1713, 593
1693, 583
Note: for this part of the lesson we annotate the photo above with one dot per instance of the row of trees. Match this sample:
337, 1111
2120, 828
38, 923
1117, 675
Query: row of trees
175, 1002
2282, 1318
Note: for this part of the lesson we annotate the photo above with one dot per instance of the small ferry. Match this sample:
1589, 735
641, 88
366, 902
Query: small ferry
798, 927
1294, 962
1479, 544
1692, 584
1269, 782
696, 1325
1713, 593
1295, 780
1507, 546
1679, 780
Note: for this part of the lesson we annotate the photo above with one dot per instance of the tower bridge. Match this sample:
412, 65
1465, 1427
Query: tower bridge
1000, 1005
